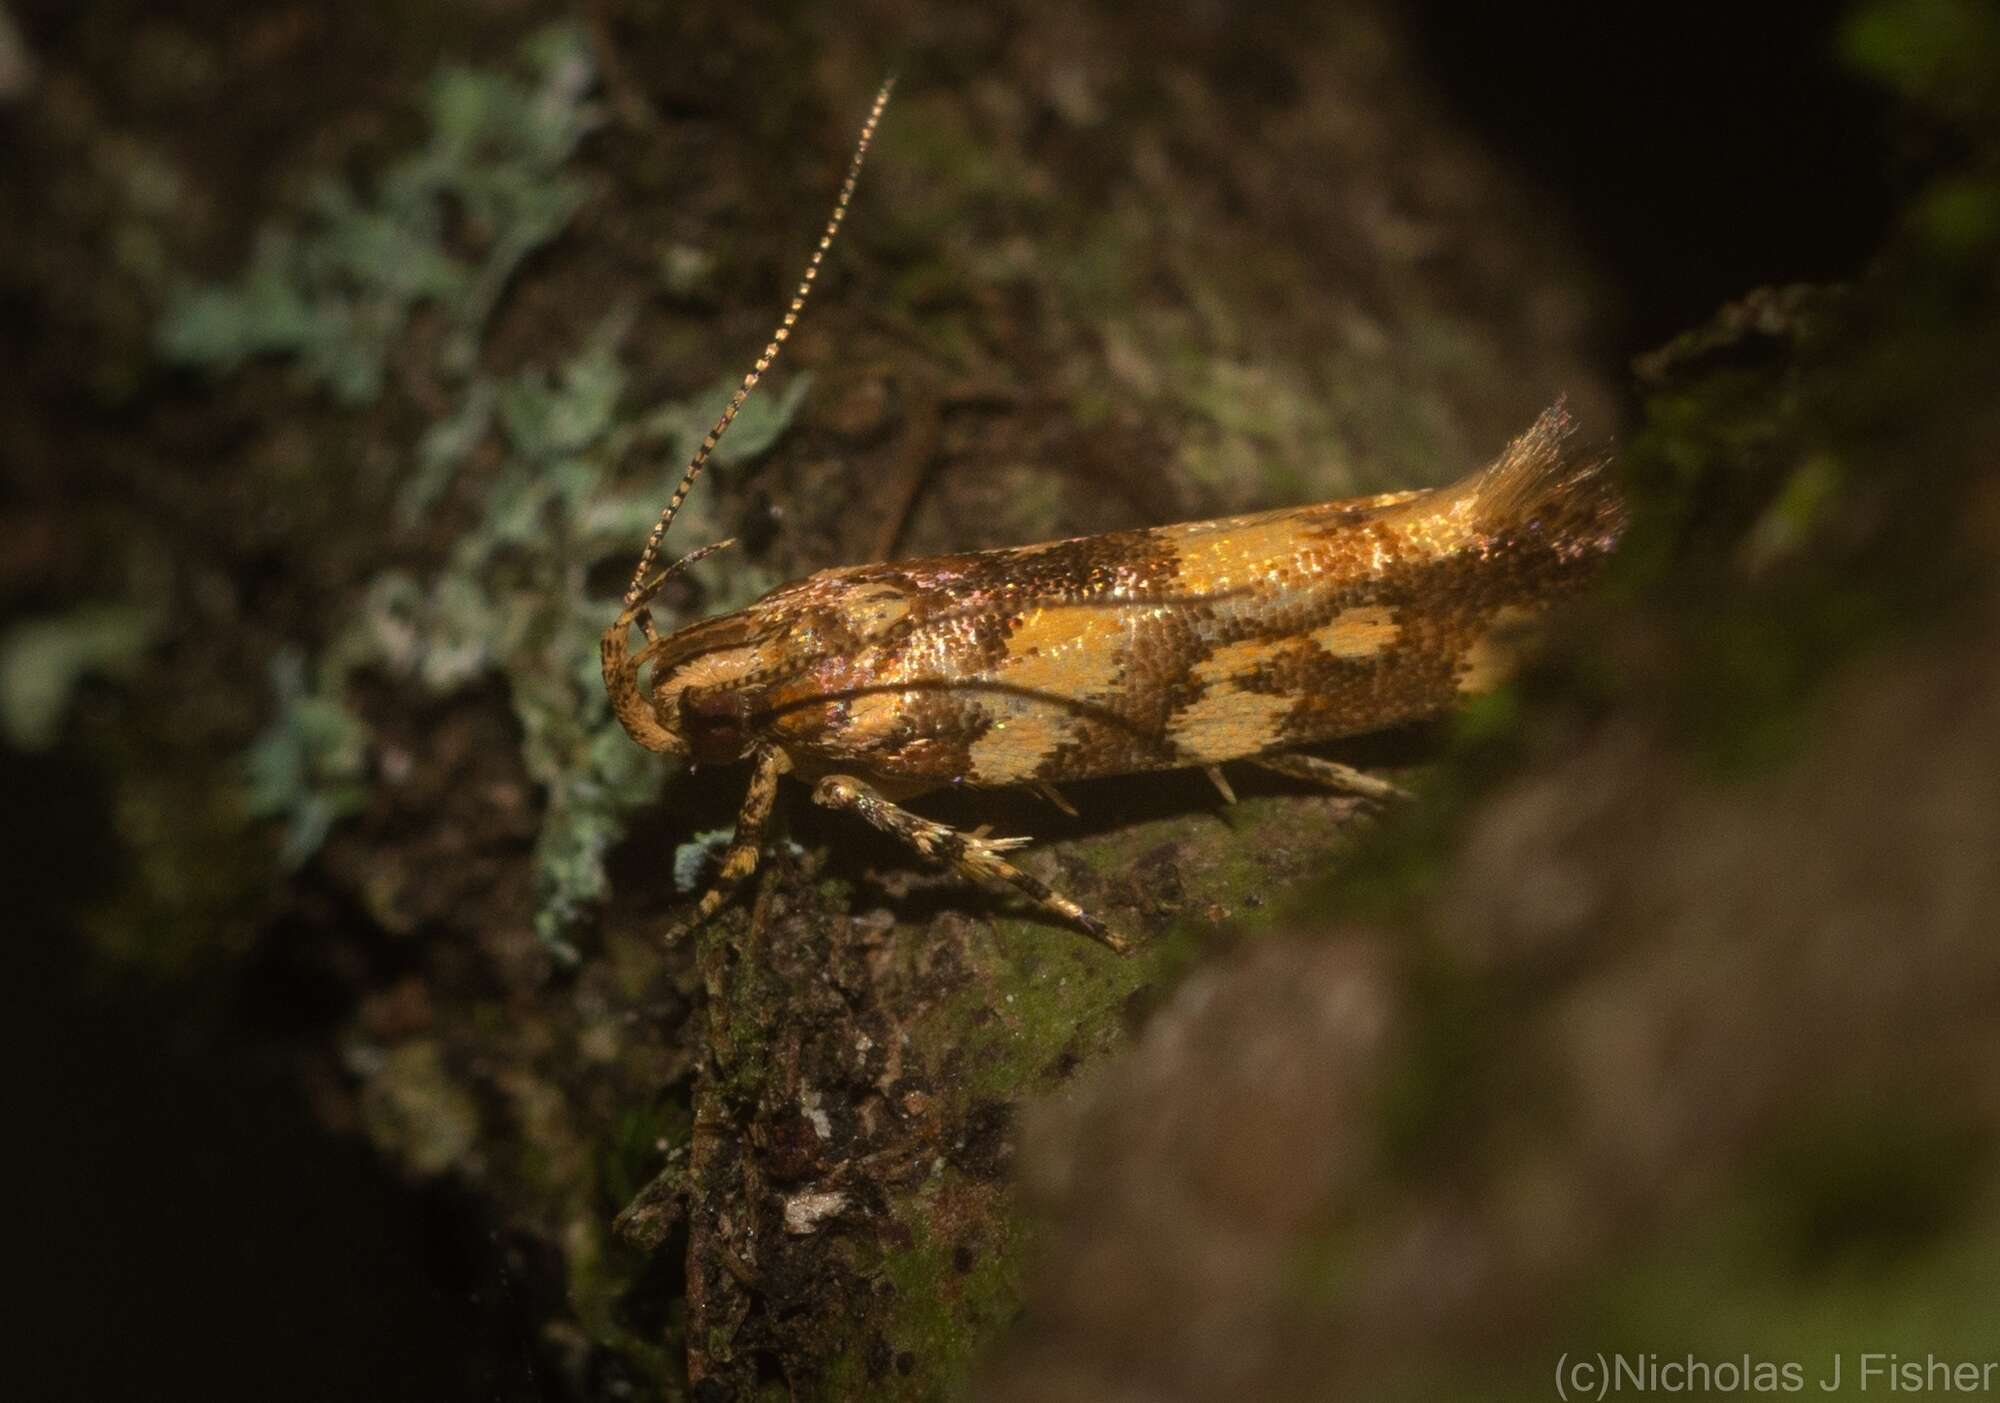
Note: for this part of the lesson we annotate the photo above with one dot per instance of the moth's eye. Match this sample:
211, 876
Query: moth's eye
716, 724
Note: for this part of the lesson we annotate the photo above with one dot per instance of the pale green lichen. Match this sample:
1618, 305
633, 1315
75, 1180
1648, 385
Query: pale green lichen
692, 859
334, 291
513, 600
43, 661
333, 294
550, 514
309, 765
414, 1109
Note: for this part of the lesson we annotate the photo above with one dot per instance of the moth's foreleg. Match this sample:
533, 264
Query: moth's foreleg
976, 857
746, 845
1331, 773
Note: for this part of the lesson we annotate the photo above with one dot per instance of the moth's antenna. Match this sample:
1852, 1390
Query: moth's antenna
778, 339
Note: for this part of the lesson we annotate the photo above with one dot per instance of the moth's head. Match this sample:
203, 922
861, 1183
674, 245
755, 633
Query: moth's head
695, 693
707, 691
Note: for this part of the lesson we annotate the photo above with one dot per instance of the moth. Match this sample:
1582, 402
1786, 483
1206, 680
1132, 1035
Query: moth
1239, 639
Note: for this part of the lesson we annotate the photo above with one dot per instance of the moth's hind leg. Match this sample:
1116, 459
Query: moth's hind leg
976, 857
746, 845
1330, 773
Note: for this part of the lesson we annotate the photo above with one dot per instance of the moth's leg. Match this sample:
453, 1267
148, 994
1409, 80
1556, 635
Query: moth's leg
1056, 796
1221, 783
746, 845
978, 858
1330, 773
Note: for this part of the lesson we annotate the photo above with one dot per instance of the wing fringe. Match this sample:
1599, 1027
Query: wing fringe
1546, 486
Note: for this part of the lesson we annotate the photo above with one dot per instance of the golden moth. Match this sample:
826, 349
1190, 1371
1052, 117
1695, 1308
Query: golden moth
1244, 638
